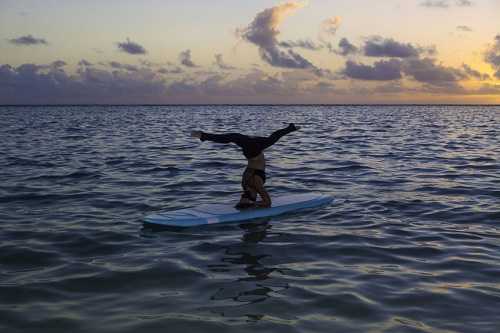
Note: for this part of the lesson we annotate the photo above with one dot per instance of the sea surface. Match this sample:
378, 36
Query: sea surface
410, 244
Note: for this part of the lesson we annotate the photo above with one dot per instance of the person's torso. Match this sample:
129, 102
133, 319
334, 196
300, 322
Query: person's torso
258, 162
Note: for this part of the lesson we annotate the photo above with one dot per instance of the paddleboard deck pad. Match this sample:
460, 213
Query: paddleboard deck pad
225, 213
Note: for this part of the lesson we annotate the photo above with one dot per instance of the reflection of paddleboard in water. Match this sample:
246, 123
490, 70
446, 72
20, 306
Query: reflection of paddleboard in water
224, 213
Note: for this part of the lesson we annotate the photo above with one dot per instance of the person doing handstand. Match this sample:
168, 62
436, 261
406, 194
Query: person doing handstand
254, 175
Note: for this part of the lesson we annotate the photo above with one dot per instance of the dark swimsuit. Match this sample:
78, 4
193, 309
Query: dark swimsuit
250, 172
247, 181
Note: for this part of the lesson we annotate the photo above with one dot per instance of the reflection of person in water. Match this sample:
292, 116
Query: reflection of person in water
256, 283
254, 175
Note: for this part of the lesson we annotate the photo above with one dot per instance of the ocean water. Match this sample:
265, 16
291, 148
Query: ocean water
411, 243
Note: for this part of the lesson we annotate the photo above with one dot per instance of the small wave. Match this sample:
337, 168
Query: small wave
482, 159
41, 198
488, 167
19, 161
110, 280
107, 204
462, 235
386, 183
141, 164
351, 167
169, 169
347, 305
74, 129
76, 175
82, 246
412, 245
211, 164
23, 256
115, 160
459, 191
73, 137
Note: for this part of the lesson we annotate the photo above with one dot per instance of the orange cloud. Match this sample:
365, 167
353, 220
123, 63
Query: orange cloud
264, 30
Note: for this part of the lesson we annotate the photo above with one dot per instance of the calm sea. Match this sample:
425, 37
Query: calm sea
411, 244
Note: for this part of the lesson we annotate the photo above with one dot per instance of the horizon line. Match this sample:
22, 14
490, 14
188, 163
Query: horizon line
256, 104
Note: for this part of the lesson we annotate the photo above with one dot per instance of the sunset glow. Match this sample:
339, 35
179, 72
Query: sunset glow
319, 51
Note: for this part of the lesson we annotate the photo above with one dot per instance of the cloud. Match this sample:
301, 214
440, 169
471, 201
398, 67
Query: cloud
219, 62
51, 84
176, 70
328, 29
331, 25
58, 64
463, 3
393, 87
158, 67
492, 56
114, 83
383, 70
185, 59
377, 46
298, 76
427, 71
28, 40
256, 82
301, 43
488, 89
105, 84
435, 3
263, 32
464, 28
131, 47
252, 84
149, 64
117, 65
474, 73
448, 88
322, 88
346, 48
445, 3
85, 63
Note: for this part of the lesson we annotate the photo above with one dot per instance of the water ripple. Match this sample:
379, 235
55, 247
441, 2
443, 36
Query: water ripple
411, 243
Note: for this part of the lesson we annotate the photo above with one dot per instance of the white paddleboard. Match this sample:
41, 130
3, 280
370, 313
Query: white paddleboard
224, 213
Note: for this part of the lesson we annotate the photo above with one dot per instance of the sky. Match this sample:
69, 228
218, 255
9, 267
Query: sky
249, 52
